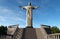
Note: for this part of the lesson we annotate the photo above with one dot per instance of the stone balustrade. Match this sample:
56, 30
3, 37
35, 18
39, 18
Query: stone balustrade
54, 36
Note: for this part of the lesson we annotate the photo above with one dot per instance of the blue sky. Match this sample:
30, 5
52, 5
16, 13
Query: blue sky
48, 12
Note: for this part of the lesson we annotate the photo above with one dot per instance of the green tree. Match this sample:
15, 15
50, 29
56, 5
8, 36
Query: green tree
55, 29
3, 30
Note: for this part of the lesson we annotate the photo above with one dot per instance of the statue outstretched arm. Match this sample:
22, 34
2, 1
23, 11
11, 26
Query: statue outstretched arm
34, 7
24, 7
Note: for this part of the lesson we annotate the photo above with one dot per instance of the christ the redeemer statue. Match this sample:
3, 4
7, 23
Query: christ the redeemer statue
29, 18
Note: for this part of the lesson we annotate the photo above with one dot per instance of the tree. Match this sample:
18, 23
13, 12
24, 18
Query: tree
55, 29
3, 30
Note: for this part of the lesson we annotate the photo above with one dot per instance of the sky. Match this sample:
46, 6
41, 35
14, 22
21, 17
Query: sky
47, 13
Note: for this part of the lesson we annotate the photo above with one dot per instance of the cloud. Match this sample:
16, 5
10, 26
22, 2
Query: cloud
18, 19
2, 18
10, 14
5, 10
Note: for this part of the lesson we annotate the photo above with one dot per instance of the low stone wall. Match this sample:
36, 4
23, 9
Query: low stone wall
3, 37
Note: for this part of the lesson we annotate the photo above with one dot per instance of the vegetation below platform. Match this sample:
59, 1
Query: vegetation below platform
3, 30
55, 29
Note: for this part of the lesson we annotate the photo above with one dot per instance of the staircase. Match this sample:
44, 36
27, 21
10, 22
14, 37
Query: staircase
18, 33
29, 33
32, 33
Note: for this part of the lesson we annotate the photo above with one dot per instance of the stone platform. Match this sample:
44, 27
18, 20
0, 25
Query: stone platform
32, 33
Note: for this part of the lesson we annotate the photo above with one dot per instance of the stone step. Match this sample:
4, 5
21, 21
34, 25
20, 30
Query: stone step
18, 34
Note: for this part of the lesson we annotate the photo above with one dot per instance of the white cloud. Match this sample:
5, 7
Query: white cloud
18, 19
2, 18
5, 10
10, 14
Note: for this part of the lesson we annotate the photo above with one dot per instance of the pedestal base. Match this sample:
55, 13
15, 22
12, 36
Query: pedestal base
29, 33
29, 27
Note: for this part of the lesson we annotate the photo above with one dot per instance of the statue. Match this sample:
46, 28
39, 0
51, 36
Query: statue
29, 18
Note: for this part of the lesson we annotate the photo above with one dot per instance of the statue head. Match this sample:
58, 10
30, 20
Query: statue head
29, 3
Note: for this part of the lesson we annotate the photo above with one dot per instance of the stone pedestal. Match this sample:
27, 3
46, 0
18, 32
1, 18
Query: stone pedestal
29, 33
